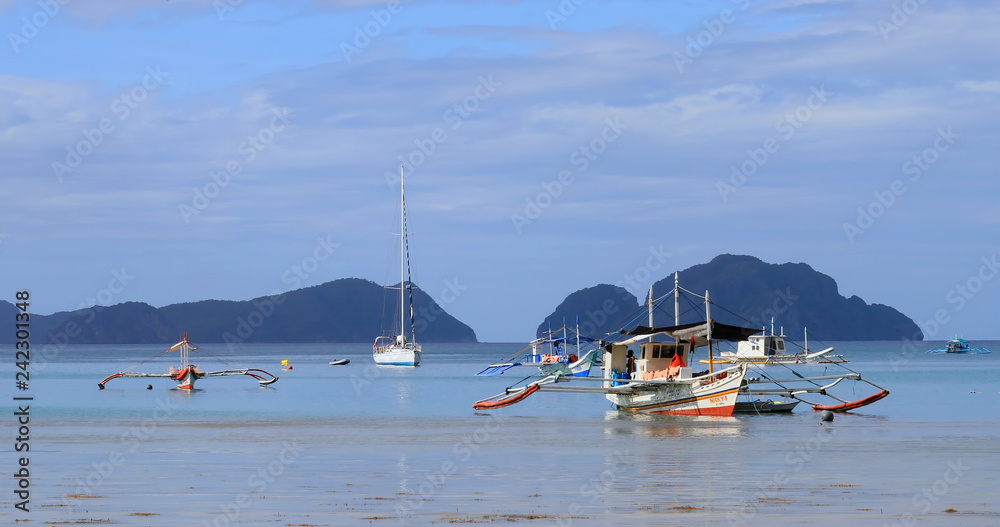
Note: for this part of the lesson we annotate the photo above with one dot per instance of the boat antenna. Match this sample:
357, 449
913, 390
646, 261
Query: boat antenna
677, 300
548, 336
677, 304
708, 322
565, 338
578, 334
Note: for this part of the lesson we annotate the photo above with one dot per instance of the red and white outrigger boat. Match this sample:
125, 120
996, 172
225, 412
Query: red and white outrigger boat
649, 377
187, 374
655, 378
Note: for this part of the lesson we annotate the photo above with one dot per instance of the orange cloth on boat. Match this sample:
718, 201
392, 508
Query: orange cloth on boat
677, 361
660, 374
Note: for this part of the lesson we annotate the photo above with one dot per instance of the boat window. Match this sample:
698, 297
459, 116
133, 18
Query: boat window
656, 351
781, 345
668, 352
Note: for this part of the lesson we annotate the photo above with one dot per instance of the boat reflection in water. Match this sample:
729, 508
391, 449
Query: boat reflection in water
654, 426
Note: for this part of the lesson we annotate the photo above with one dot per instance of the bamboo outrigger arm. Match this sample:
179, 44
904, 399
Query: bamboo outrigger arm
796, 393
129, 374
263, 378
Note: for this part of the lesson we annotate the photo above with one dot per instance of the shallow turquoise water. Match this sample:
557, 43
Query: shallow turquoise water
360, 444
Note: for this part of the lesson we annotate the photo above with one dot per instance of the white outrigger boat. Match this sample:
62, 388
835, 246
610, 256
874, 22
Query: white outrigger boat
187, 374
769, 348
659, 381
553, 355
396, 350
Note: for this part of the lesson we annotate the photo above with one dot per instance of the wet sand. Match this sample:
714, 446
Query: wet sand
621, 470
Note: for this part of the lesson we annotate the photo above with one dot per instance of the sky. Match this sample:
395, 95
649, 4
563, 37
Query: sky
182, 150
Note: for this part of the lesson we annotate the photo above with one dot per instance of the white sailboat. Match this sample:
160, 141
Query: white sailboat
396, 350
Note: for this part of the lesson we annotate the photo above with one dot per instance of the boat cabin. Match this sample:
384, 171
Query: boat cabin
760, 346
652, 360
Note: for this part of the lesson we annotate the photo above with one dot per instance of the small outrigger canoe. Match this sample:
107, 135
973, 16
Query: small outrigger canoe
957, 345
187, 374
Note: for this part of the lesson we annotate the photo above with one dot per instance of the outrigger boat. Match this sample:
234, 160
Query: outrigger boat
659, 382
957, 345
552, 355
769, 348
187, 374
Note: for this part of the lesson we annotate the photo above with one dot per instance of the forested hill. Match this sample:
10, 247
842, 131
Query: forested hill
346, 310
744, 291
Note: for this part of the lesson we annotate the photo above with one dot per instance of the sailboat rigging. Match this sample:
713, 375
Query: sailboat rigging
395, 349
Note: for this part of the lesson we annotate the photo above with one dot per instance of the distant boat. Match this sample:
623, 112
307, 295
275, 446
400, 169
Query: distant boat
187, 374
339, 362
957, 345
769, 348
396, 350
571, 354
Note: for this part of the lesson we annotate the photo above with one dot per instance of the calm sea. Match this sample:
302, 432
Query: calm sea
367, 445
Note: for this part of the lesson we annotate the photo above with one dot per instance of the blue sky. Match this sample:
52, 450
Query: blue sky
550, 146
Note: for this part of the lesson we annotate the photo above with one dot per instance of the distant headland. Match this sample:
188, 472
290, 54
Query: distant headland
346, 310
748, 291
752, 292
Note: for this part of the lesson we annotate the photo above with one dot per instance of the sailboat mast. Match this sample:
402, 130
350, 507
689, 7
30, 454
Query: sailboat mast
402, 254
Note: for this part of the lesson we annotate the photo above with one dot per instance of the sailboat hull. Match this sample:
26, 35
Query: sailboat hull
393, 356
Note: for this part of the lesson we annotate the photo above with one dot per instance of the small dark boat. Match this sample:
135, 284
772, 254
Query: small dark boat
339, 362
758, 406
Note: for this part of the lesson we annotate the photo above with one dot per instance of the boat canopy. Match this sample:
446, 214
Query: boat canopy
695, 330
